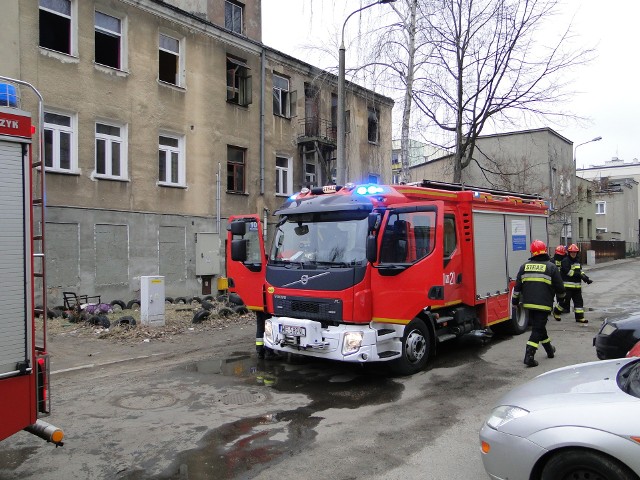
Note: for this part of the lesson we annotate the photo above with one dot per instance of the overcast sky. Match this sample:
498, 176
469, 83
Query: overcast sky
607, 87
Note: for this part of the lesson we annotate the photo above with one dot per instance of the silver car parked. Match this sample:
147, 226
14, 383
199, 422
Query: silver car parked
575, 423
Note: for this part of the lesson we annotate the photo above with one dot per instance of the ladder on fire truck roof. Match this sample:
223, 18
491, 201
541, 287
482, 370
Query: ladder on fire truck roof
37, 196
459, 187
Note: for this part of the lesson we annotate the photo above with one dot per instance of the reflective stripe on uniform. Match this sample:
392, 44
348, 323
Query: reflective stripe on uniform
578, 310
532, 344
533, 306
259, 342
548, 340
572, 285
546, 280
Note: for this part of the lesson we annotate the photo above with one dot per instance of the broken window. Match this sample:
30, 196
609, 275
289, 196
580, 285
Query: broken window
108, 40
373, 134
169, 60
238, 82
55, 25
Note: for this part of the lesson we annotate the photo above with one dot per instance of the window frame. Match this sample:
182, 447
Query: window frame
180, 63
72, 130
288, 184
73, 27
236, 166
180, 150
283, 97
231, 28
122, 63
239, 84
123, 142
599, 204
376, 112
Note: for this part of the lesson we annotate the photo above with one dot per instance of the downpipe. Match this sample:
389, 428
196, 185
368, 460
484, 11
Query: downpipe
47, 432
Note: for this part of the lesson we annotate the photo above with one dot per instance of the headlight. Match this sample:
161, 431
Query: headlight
268, 330
608, 329
351, 343
504, 414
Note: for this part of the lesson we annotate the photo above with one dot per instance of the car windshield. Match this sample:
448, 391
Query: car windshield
332, 239
629, 378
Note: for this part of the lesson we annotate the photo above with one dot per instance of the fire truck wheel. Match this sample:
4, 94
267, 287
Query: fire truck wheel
416, 344
516, 325
200, 316
118, 303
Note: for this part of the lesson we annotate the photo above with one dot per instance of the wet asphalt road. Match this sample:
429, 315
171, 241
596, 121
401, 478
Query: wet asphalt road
196, 414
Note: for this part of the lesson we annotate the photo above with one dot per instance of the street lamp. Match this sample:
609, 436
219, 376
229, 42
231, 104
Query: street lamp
340, 157
597, 139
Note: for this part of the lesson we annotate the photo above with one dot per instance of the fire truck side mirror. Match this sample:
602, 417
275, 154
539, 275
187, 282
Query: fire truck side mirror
239, 250
374, 221
238, 227
372, 249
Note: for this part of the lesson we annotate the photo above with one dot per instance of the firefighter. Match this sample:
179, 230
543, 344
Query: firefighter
559, 255
538, 281
573, 276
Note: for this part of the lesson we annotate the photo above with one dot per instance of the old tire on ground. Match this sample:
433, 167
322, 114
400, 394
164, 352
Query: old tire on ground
168, 300
240, 309
200, 315
118, 303
207, 305
235, 298
207, 298
133, 304
583, 464
100, 321
183, 300
517, 324
126, 322
225, 312
196, 299
416, 348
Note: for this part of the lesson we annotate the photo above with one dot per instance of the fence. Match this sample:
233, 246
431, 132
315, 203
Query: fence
607, 250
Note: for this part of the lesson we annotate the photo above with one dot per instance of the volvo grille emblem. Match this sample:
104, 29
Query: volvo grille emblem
304, 279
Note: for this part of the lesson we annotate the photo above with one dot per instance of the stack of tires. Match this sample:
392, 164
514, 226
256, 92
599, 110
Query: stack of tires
224, 306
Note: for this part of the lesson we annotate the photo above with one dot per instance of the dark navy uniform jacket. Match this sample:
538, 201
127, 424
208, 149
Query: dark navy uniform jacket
537, 283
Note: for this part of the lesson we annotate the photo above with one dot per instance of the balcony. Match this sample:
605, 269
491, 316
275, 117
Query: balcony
317, 131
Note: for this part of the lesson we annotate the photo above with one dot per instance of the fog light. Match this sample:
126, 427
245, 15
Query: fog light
351, 343
485, 447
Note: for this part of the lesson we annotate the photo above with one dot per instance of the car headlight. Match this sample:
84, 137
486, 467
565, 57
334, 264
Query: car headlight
608, 329
268, 330
504, 414
351, 343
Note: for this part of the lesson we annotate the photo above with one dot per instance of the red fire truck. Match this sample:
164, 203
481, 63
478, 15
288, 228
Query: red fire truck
24, 362
374, 273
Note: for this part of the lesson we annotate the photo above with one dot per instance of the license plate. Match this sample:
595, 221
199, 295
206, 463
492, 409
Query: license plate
293, 330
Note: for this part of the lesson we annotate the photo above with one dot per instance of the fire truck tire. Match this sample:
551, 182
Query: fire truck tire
516, 325
133, 304
118, 303
200, 316
416, 346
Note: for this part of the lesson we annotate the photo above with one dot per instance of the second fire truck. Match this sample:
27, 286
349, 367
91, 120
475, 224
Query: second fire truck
375, 273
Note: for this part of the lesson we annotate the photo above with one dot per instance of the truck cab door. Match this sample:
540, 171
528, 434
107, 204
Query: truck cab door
246, 260
452, 261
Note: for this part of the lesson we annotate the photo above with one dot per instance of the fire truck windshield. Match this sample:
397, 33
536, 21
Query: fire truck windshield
331, 239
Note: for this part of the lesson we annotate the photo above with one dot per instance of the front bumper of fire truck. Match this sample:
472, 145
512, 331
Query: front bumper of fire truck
348, 343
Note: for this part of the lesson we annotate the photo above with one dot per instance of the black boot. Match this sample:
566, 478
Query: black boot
550, 349
529, 361
260, 351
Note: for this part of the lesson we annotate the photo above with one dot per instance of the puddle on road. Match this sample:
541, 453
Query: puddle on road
245, 447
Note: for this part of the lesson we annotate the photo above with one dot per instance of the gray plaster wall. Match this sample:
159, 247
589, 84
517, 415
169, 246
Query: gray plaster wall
104, 252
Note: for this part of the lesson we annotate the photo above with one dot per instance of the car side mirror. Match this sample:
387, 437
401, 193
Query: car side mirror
239, 250
238, 227
372, 249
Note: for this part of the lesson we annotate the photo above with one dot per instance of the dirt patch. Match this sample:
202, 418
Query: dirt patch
178, 320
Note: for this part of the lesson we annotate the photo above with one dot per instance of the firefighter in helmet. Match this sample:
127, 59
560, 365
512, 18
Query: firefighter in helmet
537, 283
559, 255
573, 276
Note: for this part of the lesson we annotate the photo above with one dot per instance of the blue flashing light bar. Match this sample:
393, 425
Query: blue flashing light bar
369, 190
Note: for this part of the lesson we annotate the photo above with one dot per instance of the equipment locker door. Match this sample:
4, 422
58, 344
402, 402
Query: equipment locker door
14, 259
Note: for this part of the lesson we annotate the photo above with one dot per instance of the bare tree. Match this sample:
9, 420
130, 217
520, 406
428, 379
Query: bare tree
490, 65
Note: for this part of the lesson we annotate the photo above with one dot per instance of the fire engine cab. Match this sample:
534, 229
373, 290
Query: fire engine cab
378, 273
24, 362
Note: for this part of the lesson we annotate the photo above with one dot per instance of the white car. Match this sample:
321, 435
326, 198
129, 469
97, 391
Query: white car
580, 422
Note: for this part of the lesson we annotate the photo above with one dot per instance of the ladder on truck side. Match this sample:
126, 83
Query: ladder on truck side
38, 301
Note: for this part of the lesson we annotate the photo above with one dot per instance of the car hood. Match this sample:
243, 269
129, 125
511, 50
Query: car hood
578, 395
